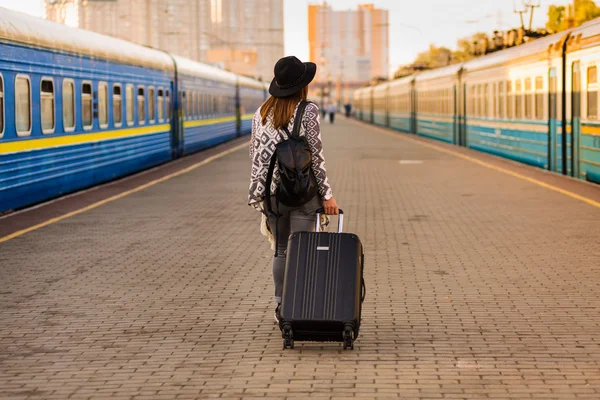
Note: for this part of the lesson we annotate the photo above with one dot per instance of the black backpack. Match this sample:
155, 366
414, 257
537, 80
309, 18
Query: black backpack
297, 185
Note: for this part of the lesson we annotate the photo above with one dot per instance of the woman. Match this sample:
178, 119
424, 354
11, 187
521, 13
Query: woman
288, 89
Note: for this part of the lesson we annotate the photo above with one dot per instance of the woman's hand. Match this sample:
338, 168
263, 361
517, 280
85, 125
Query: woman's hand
331, 207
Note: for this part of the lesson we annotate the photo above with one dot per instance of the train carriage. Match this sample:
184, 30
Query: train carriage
358, 103
365, 96
400, 114
252, 94
434, 105
76, 109
207, 97
380, 104
582, 61
536, 103
513, 102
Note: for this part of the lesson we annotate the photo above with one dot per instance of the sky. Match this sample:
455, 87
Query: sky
414, 24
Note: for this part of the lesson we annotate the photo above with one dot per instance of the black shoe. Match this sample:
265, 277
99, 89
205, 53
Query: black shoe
277, 314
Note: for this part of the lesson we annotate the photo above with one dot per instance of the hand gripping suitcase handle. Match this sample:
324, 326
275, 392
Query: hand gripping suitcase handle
340, 220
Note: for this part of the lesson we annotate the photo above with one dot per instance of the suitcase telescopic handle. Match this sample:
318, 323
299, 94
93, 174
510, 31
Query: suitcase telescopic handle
340, 220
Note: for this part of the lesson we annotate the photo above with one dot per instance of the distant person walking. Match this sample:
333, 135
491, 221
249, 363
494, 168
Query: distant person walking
348, 108
332, 109
323, 110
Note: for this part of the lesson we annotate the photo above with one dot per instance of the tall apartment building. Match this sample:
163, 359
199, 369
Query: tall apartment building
243, 36
350, 46
250, 25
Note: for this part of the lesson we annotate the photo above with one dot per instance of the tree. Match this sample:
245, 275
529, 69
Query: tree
585, 10
465, 49
580, 12
556, 18
435, 57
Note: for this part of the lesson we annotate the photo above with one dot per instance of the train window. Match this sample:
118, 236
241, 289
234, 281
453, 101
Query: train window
1, 107
47, 105
184, 104
190, 109
528, 99
129, 105
197, 105
168, 104
23, 105
501, 100
480, 109
486, 101
518, 100
103, 104
494, 100
539, 97
471, 102
117, 106
151, 108
202, 102
68, 105
161, 105
193, 100
86, 105
592, 93
141, 104
576, 91
509, 101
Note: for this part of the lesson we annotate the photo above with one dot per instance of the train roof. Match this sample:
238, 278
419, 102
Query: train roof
194, 68
443, 72
381, 87
24, 29
402, 81
586, 35
537, 48
251, 83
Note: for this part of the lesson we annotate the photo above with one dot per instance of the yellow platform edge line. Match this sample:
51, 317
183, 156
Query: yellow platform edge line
493, 167
124, 194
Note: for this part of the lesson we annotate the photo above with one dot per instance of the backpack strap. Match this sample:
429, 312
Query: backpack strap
298, 119
268, 185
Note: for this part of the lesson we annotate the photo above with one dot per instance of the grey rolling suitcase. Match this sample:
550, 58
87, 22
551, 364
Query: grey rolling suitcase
323, 287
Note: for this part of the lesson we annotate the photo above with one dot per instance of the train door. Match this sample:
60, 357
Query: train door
461, 114
456, 115
413, 108
388, 104
174, 107
553, 135
575, 123
371, 106
238, 110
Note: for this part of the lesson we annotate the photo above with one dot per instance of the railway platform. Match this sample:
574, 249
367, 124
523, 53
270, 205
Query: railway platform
483, 281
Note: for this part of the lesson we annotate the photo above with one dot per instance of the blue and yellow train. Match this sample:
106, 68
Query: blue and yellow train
536, 103
79, 108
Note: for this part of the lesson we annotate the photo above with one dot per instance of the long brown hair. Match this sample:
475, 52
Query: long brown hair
283, 108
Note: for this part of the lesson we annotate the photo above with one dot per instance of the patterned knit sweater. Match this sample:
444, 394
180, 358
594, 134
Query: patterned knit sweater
262, 145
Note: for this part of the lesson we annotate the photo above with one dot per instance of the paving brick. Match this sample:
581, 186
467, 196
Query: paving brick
480, 285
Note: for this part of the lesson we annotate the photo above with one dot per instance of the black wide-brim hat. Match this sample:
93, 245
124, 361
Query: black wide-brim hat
291, 75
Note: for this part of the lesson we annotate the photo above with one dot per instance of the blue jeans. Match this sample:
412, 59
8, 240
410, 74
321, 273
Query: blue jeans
293, 219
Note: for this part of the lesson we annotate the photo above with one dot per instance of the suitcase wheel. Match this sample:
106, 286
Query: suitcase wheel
288, 337
348, 338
